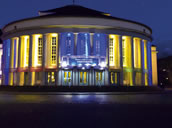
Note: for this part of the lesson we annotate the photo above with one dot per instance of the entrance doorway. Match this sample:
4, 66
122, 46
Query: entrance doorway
114, 78
83, 78
67, 78
99, 77
51, 78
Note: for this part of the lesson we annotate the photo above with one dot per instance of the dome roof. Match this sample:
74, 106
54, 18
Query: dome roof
80, 11
77, 15
73, 10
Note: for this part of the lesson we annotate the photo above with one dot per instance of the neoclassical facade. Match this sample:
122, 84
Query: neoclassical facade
77, 46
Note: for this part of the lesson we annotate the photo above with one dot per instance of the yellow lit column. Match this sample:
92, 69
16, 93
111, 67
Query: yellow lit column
44, 58
137, 53
145, 64
143, 61
114, 57
74, 71
58, 77
14, 60
127, 53
121, 60
132, 62
19, 52
1, 54
11, 63
24, 58
154, 66
137, 61
37, 45
30, 60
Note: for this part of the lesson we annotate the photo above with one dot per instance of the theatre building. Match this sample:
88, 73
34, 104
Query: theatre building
77, 46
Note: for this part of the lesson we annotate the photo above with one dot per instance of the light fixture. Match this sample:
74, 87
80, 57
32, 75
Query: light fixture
87, 64
93, 64
64, 64
103, 64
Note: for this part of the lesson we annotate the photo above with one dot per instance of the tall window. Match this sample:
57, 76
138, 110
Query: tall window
123, 52
83, 48
40, 44
24, 49
114, 51
54, 50
68, 45
98, 47
83, 44
111, 58
126, 51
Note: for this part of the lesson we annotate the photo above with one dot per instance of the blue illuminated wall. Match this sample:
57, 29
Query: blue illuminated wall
149, 63
99, 44
77, 50
6, 60
83, 44
66, 44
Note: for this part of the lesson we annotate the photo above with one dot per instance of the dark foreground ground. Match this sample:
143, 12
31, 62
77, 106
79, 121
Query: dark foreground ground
88, 110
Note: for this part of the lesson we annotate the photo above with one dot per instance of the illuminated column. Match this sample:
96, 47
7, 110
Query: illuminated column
107, 79
44, 59
149, 59
143, 62
75, 50
37, 46
132, 62
30, 59
154, 65
58, 77
137, 61
3, 64
121, 61
75, 43
50, 58
24, 59
13, 60
19, 52
127, 55
6, 59
1, 53
10, 82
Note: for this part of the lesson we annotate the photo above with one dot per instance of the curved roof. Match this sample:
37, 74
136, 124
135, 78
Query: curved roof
76, 11
73, 10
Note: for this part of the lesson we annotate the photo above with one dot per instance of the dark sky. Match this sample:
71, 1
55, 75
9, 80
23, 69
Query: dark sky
154, 13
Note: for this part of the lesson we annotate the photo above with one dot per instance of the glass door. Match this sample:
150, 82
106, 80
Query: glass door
99, 75
51, 78
83, 78
114, 78
67, 78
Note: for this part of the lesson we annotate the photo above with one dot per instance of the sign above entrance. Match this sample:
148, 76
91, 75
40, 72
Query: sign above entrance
83, 62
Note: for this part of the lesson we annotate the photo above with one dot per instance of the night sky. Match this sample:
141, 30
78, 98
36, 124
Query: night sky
154, 13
